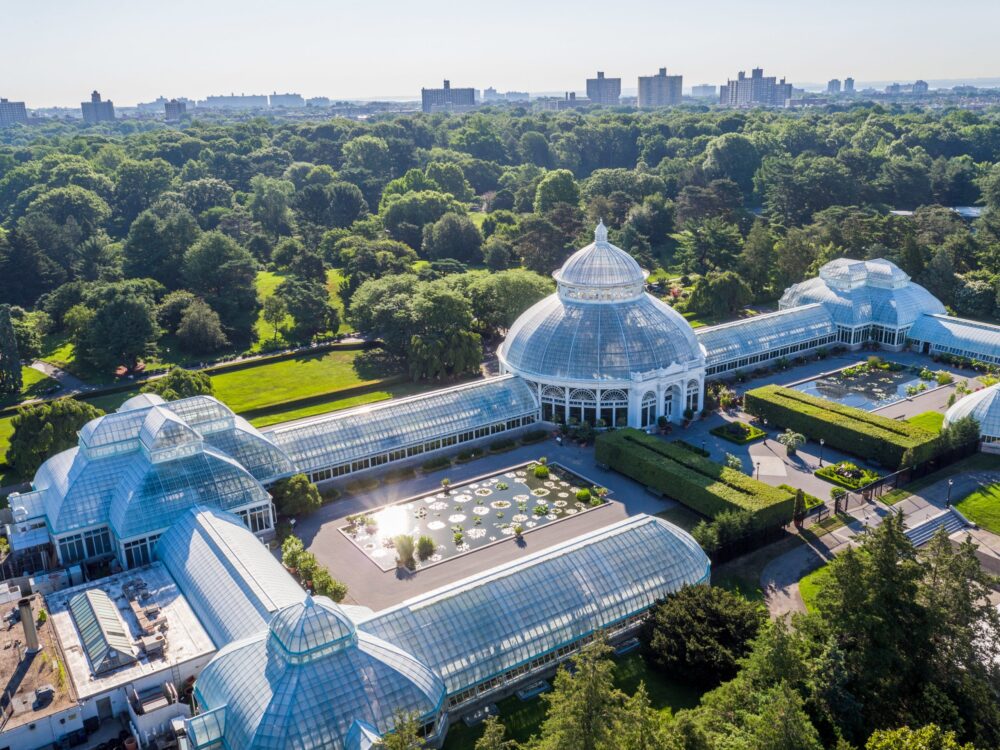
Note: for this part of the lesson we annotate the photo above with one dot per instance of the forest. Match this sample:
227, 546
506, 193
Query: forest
135, 243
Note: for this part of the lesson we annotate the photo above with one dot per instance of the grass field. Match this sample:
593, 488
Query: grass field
34, 384
523, 718
932, 421
810, 584
983, 508
276, 382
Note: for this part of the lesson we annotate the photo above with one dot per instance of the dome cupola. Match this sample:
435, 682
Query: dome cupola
600, 272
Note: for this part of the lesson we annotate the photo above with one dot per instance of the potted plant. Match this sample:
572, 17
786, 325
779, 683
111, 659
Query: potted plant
792, 441
518, 531
663, 423
445, 483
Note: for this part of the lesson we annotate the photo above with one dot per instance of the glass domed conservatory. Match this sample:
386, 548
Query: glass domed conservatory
601, 349
984, 407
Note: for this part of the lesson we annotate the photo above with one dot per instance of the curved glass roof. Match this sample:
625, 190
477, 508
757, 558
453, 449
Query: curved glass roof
600, 264
969, 338
765, 333
150, 496
983, 406
268, 700
478, 628
863, 292
354, 434
194, 448
310, 629
559, 339
233, 583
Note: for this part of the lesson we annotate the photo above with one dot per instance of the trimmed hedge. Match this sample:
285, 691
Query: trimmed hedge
502, 446
738, 432
534, 436
845, 428
700, 484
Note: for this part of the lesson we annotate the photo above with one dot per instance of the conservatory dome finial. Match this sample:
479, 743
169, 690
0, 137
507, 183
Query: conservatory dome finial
601, 232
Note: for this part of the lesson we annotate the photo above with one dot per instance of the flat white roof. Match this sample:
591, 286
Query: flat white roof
186, 639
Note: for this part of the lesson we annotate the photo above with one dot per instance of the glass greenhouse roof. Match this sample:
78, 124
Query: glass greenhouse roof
763, 333
479, 628
983, 406
957, 333
864, 292
149, 497
232, 582
269, 700
559, 339
105, 637
369, 430
168, 456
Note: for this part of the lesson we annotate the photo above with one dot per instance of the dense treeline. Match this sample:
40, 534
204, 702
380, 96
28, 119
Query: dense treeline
121, 235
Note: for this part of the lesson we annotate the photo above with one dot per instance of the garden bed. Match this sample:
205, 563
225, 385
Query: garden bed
740, 433
847, 474
459, 519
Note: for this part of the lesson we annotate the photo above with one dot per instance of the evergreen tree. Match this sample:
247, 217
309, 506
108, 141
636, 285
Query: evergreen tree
10, 359
584, 707
494, 736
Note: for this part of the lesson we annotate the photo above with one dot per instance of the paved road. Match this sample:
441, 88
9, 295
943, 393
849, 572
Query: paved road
779, 579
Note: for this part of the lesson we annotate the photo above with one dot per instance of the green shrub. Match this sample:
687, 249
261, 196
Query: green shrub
399, 475
435, 464
534, 436
844, 428
295, 495
583, 496
469, 454
541, 472
698, 483
502, 446
404, 550
738, 432
811, 500
425, 547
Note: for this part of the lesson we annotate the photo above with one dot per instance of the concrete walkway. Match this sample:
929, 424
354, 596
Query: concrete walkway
779, 580
68, 382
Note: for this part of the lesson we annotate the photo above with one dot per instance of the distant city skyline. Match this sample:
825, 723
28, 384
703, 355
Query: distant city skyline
392, 49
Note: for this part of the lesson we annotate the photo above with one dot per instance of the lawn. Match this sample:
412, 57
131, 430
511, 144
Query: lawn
975, 462
932, 421
298, 377
809, 586
523, 718
983, 507
34, 384
333, 403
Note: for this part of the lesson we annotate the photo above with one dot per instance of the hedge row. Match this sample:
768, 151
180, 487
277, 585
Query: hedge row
845, 428
698, 483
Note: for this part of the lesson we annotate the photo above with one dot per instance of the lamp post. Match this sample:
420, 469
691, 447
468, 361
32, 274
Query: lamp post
758, 470
951, 483
703, 449
822, 442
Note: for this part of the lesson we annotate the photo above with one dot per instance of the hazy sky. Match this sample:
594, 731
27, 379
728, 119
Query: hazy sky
55, 52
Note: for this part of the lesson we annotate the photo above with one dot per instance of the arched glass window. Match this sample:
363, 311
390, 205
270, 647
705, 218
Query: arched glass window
583, 406
614, 408
693, 391
553, 404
